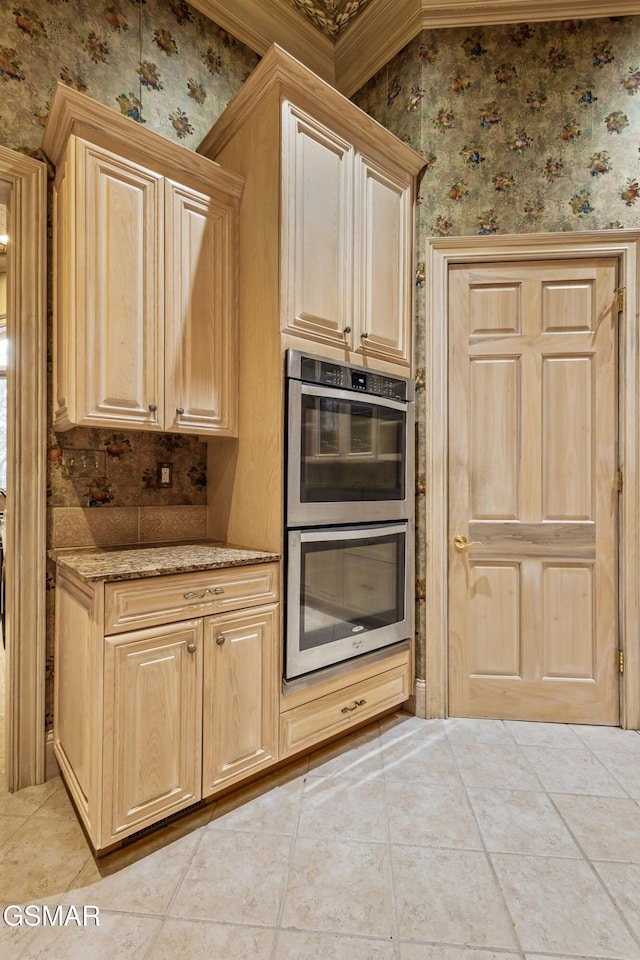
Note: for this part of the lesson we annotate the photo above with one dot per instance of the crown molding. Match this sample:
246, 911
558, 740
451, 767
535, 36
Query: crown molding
295, 82
385, 26
261, 23
74, 114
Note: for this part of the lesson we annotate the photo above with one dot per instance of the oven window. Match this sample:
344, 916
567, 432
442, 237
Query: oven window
352, 450
349, 587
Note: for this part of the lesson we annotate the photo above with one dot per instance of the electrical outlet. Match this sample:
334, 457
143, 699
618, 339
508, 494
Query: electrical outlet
164, 474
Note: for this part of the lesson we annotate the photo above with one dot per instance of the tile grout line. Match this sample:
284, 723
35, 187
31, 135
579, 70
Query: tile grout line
390, 869
487, 855
586, 858
293, 839
163, 917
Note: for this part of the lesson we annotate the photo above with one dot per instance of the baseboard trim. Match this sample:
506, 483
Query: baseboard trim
51, 768
419, 699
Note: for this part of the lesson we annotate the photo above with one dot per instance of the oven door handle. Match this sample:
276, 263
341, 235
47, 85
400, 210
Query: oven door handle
340, 532
353, 396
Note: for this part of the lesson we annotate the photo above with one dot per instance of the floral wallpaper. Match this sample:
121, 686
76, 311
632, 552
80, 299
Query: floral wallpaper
524, 128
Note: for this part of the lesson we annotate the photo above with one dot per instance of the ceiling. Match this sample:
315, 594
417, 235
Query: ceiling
329, 16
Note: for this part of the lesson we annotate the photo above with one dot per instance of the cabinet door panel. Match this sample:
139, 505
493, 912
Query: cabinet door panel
153, 708
240, 705
384, 302
118, 242
200, 346
317, 229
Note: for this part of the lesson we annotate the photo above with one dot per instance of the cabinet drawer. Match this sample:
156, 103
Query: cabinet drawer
308, 724
129, 604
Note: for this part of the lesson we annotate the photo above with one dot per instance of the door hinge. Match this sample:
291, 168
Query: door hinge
619, 481
621, 299
621, 661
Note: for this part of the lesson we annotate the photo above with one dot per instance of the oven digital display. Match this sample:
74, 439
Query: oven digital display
358, 380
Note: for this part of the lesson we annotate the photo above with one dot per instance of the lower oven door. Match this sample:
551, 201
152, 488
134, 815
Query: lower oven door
348, 592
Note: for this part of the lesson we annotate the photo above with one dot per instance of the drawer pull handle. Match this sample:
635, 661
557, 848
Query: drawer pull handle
191, 595
191, 647
358, 703
216, 590
220, 640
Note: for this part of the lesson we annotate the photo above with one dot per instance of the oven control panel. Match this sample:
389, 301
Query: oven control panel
331, 374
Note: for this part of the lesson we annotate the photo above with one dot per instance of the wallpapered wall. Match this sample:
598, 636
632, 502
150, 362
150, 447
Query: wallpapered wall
524, 128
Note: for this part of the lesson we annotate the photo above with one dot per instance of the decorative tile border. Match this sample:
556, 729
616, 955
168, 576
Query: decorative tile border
84, 527
114, 526
157, 524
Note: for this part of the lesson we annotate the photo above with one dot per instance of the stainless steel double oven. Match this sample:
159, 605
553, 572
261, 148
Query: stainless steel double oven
349, 511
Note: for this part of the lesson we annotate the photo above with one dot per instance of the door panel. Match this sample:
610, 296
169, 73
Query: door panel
495, 453
567, 438
532, 468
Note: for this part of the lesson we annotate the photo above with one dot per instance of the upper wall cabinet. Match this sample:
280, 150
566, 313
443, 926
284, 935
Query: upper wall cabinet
333, 193
145, 261
346, 243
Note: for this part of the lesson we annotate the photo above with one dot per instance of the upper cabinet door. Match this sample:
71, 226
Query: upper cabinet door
317, 230
118, 259
200, 360
383, 258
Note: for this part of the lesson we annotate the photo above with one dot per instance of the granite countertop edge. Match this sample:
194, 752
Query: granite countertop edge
96, 564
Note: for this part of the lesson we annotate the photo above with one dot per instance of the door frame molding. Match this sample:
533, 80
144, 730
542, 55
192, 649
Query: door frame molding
25, 528
624, 246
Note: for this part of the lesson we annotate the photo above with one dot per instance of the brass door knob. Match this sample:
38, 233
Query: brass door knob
461, 542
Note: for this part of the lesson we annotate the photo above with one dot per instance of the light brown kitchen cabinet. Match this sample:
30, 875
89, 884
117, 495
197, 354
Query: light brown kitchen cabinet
166, 691
152, 724
145, 242
240, 707
346, 243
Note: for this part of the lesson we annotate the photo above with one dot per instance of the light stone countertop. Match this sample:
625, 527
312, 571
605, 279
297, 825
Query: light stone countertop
130, 563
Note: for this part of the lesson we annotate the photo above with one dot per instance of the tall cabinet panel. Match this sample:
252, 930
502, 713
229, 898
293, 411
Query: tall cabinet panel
201, 387
316, 228
385, 227
120, 221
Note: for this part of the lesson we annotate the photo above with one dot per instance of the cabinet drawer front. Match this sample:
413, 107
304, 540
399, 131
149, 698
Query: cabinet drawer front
320, 719
130, 604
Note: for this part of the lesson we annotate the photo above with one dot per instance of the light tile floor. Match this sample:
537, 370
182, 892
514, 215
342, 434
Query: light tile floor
409, 840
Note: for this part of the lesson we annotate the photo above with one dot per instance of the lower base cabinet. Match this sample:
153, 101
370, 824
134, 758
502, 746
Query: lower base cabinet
153, 720
167, 693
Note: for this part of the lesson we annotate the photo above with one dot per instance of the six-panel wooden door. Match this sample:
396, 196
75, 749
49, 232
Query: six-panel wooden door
533, 603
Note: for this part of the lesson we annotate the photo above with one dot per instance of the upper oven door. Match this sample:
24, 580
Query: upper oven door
349, 456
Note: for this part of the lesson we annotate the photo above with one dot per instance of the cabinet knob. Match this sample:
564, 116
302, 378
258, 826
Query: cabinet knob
179, 411
347, 330
153, 407
191, 647
220, 640
364, 335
